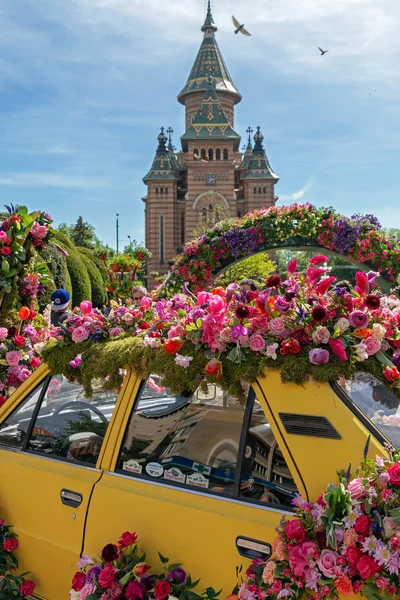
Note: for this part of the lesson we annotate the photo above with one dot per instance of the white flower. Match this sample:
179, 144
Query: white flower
321, 335
378, 331
361, 352
152, 342
84, 561
271, 351
379, 461
183, 361
342, 324
74, 595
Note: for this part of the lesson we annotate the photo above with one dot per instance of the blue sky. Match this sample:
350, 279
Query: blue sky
86, 84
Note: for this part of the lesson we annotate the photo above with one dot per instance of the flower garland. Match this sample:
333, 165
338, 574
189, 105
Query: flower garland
306, 326
359, 237
347, 542
122, 574
11, 585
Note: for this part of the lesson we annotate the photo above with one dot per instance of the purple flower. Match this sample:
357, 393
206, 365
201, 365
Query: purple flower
177, 576
241, 242
358, 319
239, 332
198, 313
281, 305
396, 359
93, 573
318, 356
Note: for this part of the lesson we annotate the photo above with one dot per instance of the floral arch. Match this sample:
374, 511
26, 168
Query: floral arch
300, 227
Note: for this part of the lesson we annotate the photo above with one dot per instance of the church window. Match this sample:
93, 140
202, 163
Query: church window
259, 190
218, 154
156, 191
161, 190
210, 154
166, 191
239, 213
264, 190
203, 153
255, 191
162, 239
196, 153
225, 154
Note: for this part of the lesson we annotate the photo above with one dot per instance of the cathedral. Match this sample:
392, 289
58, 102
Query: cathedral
210, 177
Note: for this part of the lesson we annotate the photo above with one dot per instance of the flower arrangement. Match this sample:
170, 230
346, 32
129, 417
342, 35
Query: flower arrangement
359, 237
122, 574
305, 325
11, 585
347, 542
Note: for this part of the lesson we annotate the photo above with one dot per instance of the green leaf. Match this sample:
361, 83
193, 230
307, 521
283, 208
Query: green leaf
395, 514
174, 566
383, 359
199, 323
163, 559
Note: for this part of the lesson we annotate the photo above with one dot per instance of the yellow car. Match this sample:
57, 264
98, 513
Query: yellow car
202, 478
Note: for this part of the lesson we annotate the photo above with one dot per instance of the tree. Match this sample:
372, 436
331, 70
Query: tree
258, 267
81, 234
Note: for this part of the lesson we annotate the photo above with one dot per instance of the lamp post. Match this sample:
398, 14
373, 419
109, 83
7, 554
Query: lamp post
117, 231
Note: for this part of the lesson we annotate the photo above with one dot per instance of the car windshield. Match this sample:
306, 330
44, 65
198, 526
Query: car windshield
377, 403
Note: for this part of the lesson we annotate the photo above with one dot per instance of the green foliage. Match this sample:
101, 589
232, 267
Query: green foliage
97, 261
81, 287
81, 234
57, 265
258, 267
99, 295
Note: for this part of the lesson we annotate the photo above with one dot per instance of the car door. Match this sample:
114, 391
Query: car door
199, 478
50, 443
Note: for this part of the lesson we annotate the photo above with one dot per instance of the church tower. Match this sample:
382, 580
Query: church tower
209, 178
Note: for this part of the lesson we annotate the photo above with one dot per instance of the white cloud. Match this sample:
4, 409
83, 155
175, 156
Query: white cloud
53, 180
295, 196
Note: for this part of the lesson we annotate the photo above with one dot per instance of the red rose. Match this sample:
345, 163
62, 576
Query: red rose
214, 367
353, 555
19, 341
134, 591
391, 374
363, 524
109, 553
3, 400
366, 566
78, 581
394, 474
35, 362
10, 544
295, 530
6, 250
127, 539
162, 589
107, 576
26, 588
173, 345
144, 325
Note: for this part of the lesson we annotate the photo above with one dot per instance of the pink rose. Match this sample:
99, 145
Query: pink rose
80, 334
372, 346
88, 589
327, 563
114, 331
309, 550
13, 357
39, 232
3, 333
297, 562
86, 307
294, 529
3, 236
356, 489
393, 470
321, 335
226, 335
257, 342
277, 327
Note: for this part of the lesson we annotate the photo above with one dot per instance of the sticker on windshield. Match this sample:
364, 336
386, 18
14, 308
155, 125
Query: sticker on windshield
197, 479
175, 474
154, 469
201, 468
132, 466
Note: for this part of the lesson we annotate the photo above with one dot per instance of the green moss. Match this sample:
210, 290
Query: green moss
98, 263
81, 288
99, 296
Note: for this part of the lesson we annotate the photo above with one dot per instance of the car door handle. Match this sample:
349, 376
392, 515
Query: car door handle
250, 548
70, 498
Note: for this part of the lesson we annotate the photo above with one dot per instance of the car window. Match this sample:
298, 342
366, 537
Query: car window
265, 474
14, 429
377, 403
184, 439
70, 426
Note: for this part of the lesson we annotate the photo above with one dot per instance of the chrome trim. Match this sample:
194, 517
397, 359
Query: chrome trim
202, 494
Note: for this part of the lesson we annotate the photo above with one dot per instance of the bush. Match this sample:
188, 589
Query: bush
80, 280
99, 295
96, 260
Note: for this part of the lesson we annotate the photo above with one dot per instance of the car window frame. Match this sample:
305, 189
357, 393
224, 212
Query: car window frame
235, 495
357, 412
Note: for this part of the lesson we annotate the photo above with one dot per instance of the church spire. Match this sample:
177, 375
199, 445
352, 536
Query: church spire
164, 165
257, 166
209, 22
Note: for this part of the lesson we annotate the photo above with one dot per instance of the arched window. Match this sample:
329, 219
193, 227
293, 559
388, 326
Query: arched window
156, 191
255, 191
264, 190
210, 154
161, 191
218, 154
259, 190
225, 154
196, 153
166, 191
203, 153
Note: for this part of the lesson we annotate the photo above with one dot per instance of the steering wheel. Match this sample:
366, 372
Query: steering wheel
76, 404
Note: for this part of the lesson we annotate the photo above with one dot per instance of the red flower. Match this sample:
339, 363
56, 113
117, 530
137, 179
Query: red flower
273, 281
362, 525
372, 302
394, 474
10, 544
78, 581
35, 362
343, 586
26, 588
109, 553
338, 349
127, 539
214, 367
294, 529
24, 313
319, 314
19, 341
353, 555
162, 589
324, 285
3, 399
391, 374
14, 219
366, 566
134, 591
107, 576
318, 259
173, 345
6, 250
144, 325
290, 347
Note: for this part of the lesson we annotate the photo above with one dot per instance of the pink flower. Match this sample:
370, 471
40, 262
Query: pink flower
372, 346
297, 562
318, 356
277, 327
13, 357
318, 259
257, 342
226, 335
327, 562
76, 362
145, 303
3, 237
86, 307
271, 351
321, 335
114, 331
356, 489
3, 333
358, 319
268, 573
84, 561
80, 334
88, 588
39, 232
292, 266
183, 361
338, 349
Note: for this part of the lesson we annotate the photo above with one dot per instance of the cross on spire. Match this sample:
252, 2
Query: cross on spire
170, 132
209, 21
249, 132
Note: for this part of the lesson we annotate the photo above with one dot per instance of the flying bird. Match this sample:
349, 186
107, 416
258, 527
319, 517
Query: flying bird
239, 27
322, 51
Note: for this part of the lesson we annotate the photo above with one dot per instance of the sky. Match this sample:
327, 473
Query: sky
85, 86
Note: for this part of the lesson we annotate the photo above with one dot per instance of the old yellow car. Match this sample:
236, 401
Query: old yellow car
201, 477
